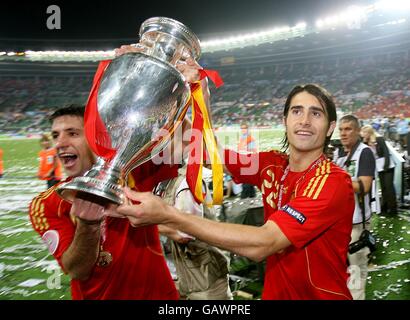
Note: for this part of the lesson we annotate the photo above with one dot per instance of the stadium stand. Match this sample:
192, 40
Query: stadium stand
255, 95
365, 67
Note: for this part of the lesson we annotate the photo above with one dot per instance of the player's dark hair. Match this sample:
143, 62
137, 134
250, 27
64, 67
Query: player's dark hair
69, 110
325, 99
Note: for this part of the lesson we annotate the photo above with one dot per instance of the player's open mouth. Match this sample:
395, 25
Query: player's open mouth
67, 159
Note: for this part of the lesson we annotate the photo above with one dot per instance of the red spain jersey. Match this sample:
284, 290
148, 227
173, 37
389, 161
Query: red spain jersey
316, 217
138, 269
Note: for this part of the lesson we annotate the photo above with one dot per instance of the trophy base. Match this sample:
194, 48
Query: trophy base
100, 189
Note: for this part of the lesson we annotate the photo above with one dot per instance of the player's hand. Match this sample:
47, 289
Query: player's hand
190, 69
88, 208
149, 210
128, 48
111, 211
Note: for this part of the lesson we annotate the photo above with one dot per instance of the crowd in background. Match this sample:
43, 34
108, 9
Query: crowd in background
376, 90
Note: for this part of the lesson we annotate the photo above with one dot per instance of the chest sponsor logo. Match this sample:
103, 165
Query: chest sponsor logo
294, 214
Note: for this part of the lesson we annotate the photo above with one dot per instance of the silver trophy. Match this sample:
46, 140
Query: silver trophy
140, 94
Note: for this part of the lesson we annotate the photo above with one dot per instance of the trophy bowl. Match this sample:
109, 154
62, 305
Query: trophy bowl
141, 96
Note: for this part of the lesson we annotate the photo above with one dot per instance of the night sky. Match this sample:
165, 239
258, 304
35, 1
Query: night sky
26, 19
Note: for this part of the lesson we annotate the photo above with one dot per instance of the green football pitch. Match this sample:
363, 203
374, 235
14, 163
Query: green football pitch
27, 271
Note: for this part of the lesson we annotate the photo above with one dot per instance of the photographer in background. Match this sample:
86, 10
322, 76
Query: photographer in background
358, 160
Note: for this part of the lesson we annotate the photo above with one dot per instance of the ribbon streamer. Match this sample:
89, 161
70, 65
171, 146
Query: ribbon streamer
201, 123
95, 131
213, 75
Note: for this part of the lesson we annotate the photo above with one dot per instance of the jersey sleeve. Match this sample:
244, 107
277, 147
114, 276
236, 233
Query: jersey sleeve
50, 219
146, 176
367, 163
244, 168
319, 204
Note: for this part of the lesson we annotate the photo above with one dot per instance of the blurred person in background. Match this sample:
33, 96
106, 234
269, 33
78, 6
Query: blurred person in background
1, 163
247, 144
385, 168
402, 126
49, 168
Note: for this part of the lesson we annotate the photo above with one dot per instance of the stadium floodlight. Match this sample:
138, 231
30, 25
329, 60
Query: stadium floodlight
54, 55
393, 5
394, 22
354, 11
331, 21
353, 16
285, 29
300, 25
254, 38
320, 23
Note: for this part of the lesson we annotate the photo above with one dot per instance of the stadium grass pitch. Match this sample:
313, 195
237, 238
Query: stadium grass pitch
27, 271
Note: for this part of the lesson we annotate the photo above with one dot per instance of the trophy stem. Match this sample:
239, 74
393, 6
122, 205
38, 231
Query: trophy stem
103, 180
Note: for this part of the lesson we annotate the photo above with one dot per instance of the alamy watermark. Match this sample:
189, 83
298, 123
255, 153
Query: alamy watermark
53, 281
54, 20
355, 281
186, 145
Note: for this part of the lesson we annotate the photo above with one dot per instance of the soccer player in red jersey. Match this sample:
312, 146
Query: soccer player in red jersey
308, 202
106, 257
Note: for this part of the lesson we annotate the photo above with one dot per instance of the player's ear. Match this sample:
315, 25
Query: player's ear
332, 127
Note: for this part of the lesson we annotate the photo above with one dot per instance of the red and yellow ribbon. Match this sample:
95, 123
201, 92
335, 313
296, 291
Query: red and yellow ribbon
201, 122
94, 129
